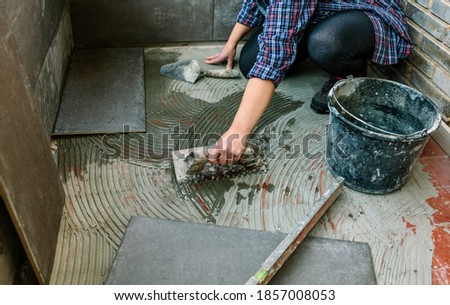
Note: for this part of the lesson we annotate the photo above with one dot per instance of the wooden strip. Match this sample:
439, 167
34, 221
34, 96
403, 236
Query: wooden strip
442, 137
279, 256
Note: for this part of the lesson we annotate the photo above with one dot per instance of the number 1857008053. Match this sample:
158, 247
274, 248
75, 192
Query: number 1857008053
300, 295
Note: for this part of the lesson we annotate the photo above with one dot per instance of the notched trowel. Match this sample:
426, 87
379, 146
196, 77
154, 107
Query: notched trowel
191, 165
190, 71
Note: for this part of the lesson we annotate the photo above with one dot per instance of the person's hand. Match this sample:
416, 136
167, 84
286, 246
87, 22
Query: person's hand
228, 148
226, 55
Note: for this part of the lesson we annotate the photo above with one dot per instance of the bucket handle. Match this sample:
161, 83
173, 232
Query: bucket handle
346, 113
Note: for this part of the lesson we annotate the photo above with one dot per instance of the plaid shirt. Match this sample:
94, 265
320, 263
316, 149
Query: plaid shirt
285, 22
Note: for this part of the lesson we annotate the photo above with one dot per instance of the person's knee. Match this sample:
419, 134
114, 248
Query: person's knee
323, 49
249, 53
245, 65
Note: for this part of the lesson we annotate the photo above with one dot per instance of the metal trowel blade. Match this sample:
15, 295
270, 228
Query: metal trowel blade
192, 165
185, 70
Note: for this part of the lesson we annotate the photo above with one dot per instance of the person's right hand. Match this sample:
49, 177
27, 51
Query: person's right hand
228, 148
225, 55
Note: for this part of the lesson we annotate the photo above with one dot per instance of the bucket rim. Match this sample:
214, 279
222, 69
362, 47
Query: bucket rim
379, 135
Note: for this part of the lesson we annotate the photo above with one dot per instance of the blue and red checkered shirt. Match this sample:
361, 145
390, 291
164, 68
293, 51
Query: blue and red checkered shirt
285, 22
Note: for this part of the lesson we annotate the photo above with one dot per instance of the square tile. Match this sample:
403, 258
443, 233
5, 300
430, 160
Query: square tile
104, 93
163, 252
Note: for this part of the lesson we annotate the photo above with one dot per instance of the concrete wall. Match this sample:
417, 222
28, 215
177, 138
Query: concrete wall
34, 49
43, 33
141, 22
429, 68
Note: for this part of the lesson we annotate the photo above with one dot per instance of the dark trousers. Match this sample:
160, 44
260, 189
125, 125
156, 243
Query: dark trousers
339, 44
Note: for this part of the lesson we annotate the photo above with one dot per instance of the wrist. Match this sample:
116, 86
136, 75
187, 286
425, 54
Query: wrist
232, 43
238, 32
241, 129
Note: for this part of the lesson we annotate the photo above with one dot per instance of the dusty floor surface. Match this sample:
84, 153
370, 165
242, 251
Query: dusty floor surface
110, 178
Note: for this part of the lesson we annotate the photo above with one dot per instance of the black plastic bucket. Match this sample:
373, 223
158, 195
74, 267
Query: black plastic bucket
377, 130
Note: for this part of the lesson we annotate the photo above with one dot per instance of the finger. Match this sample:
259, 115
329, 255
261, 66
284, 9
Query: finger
236, 158
213, 155
223, 158
214, 60
230, 63
230, 160
215, 161
212, 56
230, 157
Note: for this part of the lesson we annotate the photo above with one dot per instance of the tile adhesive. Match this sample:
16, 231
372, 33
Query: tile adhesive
110, 178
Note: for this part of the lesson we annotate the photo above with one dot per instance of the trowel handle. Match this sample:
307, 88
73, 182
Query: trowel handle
222, 73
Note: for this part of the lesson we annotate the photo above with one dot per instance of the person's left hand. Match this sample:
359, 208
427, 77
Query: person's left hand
227, 55
228, 148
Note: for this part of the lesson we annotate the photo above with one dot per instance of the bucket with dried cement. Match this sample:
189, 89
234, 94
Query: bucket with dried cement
377, 130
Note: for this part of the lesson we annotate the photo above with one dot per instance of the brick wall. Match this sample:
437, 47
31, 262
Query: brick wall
429, 68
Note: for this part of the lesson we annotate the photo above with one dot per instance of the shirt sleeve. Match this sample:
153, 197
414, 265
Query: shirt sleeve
250, 15
284, 25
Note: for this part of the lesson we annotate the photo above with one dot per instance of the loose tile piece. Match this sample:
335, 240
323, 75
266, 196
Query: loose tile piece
104, 93
162, 252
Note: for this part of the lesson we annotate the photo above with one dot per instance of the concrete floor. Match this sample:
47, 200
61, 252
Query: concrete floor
110, 178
